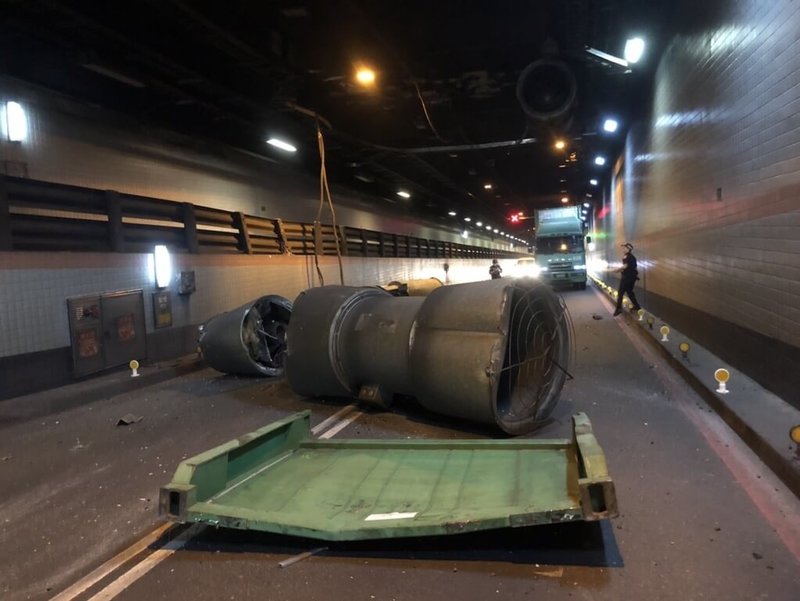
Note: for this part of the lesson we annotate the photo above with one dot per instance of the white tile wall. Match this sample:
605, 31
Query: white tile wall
726, 115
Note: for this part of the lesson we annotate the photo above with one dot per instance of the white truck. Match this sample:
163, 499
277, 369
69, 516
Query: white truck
561, 247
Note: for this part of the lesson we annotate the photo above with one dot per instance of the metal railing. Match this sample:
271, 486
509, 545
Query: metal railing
44, 216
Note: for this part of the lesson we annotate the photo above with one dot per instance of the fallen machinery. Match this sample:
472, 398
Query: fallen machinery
249, 340
494, 352
279, 479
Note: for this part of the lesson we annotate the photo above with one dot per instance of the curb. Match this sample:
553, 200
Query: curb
783, 463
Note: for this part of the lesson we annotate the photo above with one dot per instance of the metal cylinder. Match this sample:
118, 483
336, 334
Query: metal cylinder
249, 340
493, 352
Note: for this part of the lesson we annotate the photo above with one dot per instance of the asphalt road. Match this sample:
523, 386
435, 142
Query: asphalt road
701, 518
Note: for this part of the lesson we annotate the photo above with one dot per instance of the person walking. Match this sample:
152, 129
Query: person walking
495, 270
628, 276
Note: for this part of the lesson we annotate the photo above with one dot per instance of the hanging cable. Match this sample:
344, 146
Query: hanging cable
427, 116
324, 192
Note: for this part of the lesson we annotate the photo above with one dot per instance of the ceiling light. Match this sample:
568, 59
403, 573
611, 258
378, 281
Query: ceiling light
479, 223
465, 234
467, 218
587, 204
489, 227
282, 145
560, 144
634, 49
495, 230
599, 160
565, 199
365, 76
403, 194
487, 186
593, 182
452, 213
610, 125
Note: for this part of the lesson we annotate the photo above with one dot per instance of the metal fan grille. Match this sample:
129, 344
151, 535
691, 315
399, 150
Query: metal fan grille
536, 358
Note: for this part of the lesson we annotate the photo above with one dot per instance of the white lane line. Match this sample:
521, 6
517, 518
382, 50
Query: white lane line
332, 419
147, 564
112, 564
336, 423
334, 430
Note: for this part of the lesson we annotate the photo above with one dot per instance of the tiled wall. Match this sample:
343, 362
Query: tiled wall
710, 187
34, 287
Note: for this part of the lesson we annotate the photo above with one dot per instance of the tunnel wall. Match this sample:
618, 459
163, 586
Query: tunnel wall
35, 349
708, 190
73, 143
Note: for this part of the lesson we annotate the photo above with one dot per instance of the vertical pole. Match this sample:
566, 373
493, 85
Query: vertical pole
116, 236
190, 228
5, 216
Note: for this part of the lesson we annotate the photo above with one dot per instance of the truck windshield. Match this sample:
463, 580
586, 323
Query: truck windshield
559, 244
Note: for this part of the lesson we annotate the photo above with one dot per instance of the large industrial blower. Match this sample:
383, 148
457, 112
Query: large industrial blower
494, 352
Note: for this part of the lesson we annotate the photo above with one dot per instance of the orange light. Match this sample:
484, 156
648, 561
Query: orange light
560, 144
365, 76
565, 199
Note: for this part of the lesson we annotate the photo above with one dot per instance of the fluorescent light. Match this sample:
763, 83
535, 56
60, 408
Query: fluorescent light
495, 230
599, 160
403, 194
607, 57
593, 182
17, 122
634, 49
281, 144
610, 125
467, 218
479, 223
489, 227
452, 213
163, 266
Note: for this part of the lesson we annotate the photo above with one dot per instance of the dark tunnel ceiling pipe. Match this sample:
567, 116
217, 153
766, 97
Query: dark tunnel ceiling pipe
493, 352
546, 90
250, 340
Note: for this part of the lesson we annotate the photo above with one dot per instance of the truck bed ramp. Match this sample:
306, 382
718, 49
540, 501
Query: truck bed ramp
279, 479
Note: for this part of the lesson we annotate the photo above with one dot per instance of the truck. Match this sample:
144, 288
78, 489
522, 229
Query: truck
560, 247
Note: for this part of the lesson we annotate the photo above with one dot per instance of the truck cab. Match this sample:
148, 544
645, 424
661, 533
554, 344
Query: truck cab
561, 247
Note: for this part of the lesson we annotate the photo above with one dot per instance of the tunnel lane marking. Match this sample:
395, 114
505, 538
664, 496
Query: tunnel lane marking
328, 428
112, 564
147, 564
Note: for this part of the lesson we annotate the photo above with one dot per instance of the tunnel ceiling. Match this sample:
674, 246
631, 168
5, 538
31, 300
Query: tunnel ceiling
445, 94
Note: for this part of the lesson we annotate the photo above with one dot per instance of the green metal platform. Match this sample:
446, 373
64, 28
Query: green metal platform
278, 479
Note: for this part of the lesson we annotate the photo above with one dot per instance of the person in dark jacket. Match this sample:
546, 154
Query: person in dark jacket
628, 277
495, 270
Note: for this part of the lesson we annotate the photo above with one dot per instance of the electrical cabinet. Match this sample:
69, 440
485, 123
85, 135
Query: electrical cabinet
106, 330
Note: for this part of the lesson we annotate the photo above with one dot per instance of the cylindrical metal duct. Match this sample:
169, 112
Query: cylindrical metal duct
492, 352
413, 287
250, 340
546, 89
